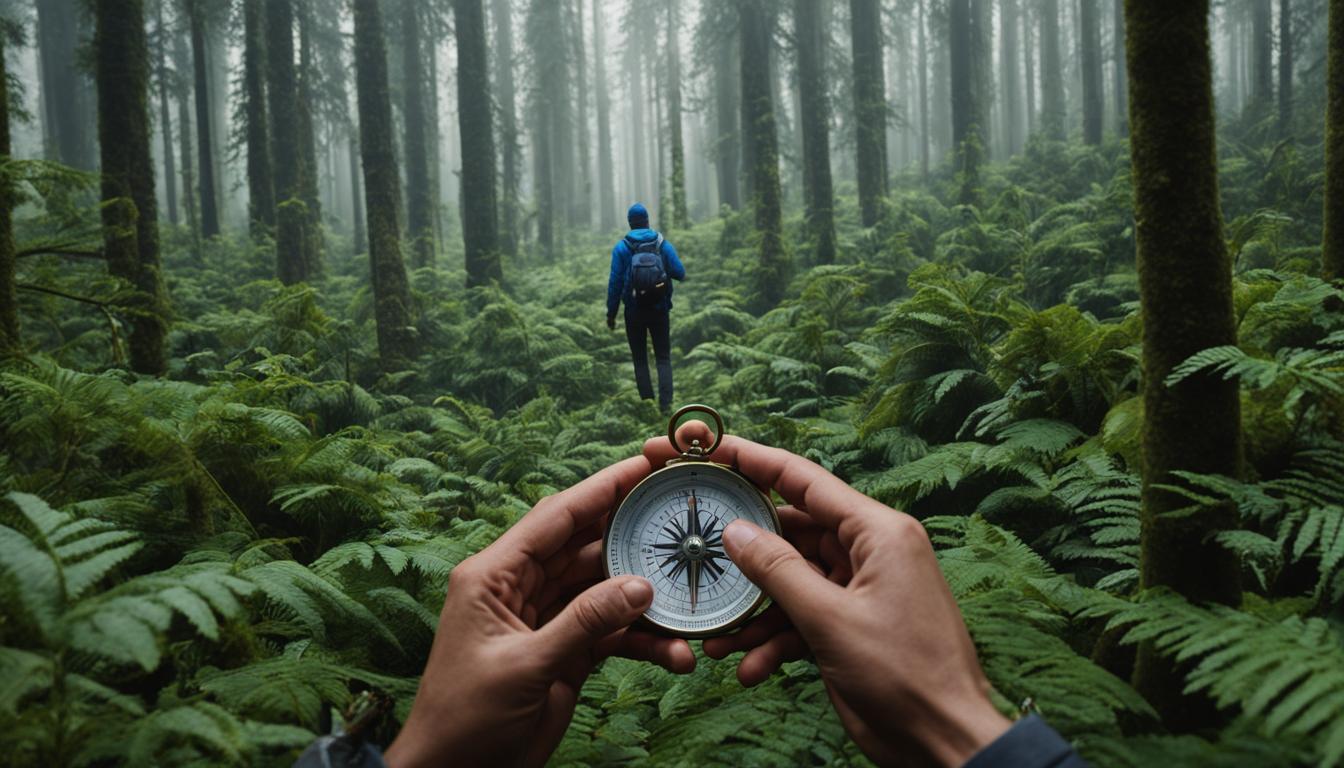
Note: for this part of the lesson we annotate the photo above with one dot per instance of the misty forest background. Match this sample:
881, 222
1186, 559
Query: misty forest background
302, 302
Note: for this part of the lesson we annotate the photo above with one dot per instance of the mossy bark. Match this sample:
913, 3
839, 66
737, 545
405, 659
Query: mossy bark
680, 216
772, 273
1052, 72
606, 171
382, 193
312, 225
1090, 50
130, 211
419, 211
870, 107
1332, 259
260, 182
205, 158
10, 340
480, 222
1185, 288
283, 94
818, 197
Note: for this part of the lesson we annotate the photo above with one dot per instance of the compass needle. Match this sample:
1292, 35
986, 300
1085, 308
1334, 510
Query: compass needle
694, 579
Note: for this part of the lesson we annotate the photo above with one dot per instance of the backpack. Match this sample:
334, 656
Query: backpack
648, 273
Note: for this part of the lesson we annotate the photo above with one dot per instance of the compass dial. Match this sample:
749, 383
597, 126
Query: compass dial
670, 531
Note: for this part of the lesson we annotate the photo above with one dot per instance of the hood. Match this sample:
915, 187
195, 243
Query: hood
643, 235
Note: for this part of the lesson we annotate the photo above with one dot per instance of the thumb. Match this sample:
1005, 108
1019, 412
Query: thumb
780, 571
606, 607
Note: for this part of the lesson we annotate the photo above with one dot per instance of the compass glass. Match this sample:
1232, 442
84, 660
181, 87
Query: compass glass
670, 531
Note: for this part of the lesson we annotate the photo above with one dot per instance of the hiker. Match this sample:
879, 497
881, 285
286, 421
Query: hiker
855, 584
643, 266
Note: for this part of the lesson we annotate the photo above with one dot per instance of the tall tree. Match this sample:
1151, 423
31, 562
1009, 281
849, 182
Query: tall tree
870, 107
205, 160
480, 227
727, 144
67, 99
811, 34
968, 116
758, 123
680, 218
502, 12
9, 311
583, 185
129, 212
1090, 50
282, 91
382, 196
1120, 89
1185, 291
162, 36
1008, 88
1052, 72
1285, 68
1262, 47
360, 235
419, 213
1333, 252
606, 173
186, 155
924, 106
260, 182
547, 96
307, 136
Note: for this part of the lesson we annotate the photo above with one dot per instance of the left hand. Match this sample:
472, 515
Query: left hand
525, 621
611, 322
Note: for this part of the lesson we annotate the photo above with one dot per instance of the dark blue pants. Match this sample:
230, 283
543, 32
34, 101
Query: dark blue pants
640, 324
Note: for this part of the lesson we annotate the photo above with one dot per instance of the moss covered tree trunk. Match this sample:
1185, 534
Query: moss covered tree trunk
758, 125
130, 212
870, 107
509, 210
543, 18
382, 194
680, 216
480, 223
1052, 72
260, 182
10, 341
1332, 259
606, 172
419, 212
312, 204
291, 215
1185, 289
818, 198
1090, 50
205, 162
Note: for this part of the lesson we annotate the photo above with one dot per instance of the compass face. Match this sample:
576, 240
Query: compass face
670, 531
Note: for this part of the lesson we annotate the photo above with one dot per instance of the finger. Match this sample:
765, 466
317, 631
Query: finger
602, 609
670, 653
771, 622
762, 661
781, 572
554, 520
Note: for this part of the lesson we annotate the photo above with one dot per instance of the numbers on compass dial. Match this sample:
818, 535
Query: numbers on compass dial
670, 531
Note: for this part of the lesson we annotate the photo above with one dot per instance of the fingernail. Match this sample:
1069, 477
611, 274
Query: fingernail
638, 592
739, 534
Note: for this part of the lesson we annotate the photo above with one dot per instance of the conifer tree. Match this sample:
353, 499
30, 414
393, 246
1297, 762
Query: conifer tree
811, 35
480, 225
9, 310
260, 183
758, 122
1332, 259
282, 89
415, 145
870, 107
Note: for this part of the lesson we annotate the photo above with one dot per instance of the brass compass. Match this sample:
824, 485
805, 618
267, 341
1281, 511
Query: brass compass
669, 529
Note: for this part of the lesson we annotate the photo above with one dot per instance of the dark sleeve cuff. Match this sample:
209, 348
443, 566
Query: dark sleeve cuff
1030, 743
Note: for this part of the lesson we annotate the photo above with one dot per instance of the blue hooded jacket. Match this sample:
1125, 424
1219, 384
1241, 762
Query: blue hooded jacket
620, 262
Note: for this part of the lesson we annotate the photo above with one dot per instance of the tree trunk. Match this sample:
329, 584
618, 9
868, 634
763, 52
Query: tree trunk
312, 205
1262, 43
1093, 98
165, 115
1008, 89
419, 221
1120, 94
509, 211
606, 173
1285, 69
1052, 73
1333, 252
815, 114
638, 142
391, 291
870, 107
759, 135
129, 212
1185, 289
186, 155
680, 217
480, 227
585, 180
727, 156
1029, 61
205, 158
260, 183
968, 120
290, 214
361, 237
10, 341
66, 98
543, 19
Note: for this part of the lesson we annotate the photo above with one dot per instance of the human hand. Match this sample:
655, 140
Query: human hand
860, 588
525, 621
611, 322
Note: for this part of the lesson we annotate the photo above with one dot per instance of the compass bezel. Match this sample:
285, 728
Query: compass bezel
679, 465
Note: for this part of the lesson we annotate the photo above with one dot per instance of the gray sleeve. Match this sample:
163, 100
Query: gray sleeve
340, 752
1030, 743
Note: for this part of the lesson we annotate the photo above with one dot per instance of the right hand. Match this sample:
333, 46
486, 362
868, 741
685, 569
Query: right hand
860, 588
611, 322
